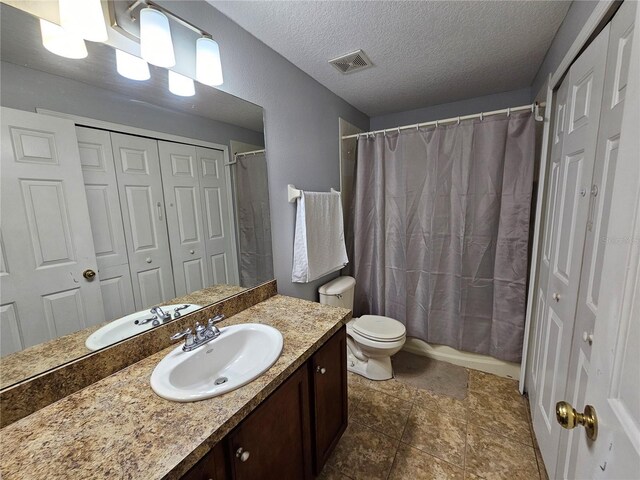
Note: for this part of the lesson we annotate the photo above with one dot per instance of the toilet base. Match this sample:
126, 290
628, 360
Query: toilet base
371, 368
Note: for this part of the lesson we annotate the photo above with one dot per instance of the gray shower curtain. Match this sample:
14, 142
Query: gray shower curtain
440, 231
254, 220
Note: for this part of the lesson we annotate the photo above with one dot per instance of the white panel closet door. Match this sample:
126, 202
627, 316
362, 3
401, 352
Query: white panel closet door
140, 188
557, 137
179, 167
584, 98
45, 233
98, 169
616, 76
219, 237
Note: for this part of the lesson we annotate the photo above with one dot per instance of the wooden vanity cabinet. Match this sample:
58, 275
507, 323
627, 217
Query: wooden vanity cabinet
293, 432
329, 397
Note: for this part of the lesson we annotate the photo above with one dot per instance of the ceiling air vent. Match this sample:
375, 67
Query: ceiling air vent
351, 62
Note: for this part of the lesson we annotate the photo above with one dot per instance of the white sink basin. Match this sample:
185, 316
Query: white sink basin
238, 356
126, 327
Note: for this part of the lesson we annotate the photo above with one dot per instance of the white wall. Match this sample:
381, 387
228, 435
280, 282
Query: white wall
301, 125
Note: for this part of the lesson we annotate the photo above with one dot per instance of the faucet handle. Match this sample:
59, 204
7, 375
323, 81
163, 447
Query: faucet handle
218, 318
179, 335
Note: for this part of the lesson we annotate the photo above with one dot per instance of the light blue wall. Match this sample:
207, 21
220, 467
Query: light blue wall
571, 25
463, 107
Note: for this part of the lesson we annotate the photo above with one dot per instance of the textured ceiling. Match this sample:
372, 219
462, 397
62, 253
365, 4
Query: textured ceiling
21, 44
424, 52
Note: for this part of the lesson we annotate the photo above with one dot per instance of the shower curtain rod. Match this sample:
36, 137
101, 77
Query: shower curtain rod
534, 107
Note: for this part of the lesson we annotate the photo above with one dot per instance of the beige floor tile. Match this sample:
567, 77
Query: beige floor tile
436, 434
493, 385
382, 412
355, 391
329, 473
390, 387
446, 405
413, 464
471, 476
501, 415
363, 453
494, 457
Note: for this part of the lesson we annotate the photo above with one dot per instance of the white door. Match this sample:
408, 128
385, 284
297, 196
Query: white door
601, 192
575, 170
557, 137
45, 233
614, 384
184, 214
140, 188
219, 235
98, 170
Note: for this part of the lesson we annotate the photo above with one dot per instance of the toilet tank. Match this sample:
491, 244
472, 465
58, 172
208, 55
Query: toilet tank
338, 292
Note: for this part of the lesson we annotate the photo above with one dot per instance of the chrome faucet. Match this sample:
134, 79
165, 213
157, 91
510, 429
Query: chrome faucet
176, 311
153, 319
202, 334
165, 317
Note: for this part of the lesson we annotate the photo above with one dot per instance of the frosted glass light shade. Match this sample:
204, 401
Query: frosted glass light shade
181, 85
208, 66
131, 67
155, 38
57, 40
84, 18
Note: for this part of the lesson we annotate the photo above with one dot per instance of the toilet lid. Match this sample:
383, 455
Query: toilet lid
377, 327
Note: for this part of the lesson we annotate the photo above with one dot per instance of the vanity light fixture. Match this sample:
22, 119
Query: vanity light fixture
132, 67
156, 46
181, 85
84, 18
208, 66
61, 42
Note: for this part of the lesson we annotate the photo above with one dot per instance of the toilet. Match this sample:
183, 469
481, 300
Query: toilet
371, 339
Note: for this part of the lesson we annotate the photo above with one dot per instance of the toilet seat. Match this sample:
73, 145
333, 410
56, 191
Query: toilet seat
378, 328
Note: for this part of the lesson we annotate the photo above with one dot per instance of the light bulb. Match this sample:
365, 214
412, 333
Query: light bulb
84, 18
181, 85
57, 40
132, 67
155, 38
208, 66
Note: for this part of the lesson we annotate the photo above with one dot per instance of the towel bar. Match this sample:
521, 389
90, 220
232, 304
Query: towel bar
293, 193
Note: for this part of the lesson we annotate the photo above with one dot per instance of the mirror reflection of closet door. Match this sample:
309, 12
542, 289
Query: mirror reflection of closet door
46, 237
184, 214
217, 209
98, 170
140, 188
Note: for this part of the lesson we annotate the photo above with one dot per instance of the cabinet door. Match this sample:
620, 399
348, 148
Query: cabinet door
274, 442
329, 371
210, 467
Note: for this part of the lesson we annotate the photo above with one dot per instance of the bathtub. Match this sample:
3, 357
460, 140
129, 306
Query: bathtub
475, 361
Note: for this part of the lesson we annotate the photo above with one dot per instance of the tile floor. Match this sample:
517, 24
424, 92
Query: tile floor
398, 432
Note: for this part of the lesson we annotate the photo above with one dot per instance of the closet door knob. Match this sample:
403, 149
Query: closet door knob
321, 370
242, 454
556, 297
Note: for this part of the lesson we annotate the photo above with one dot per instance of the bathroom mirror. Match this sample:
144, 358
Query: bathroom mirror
118, 197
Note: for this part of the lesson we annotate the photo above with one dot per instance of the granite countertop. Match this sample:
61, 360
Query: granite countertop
34, 360
119, 428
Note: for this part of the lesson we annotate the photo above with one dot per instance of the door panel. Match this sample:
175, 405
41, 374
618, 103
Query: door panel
141, 196
601, 193
101, 187
184, 213
219, 239
46, 236
573, 159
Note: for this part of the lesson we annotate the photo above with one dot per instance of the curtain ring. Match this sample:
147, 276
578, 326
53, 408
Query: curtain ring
508, 111
357, 137
398, 130
481, 116
384, 132
437, 123
533, 106
458, 121
417, 127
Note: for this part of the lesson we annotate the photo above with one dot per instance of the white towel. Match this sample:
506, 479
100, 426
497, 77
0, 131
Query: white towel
319, 247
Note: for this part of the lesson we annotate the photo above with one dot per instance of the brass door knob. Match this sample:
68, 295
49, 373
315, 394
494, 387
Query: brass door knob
89, 274
568, 418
